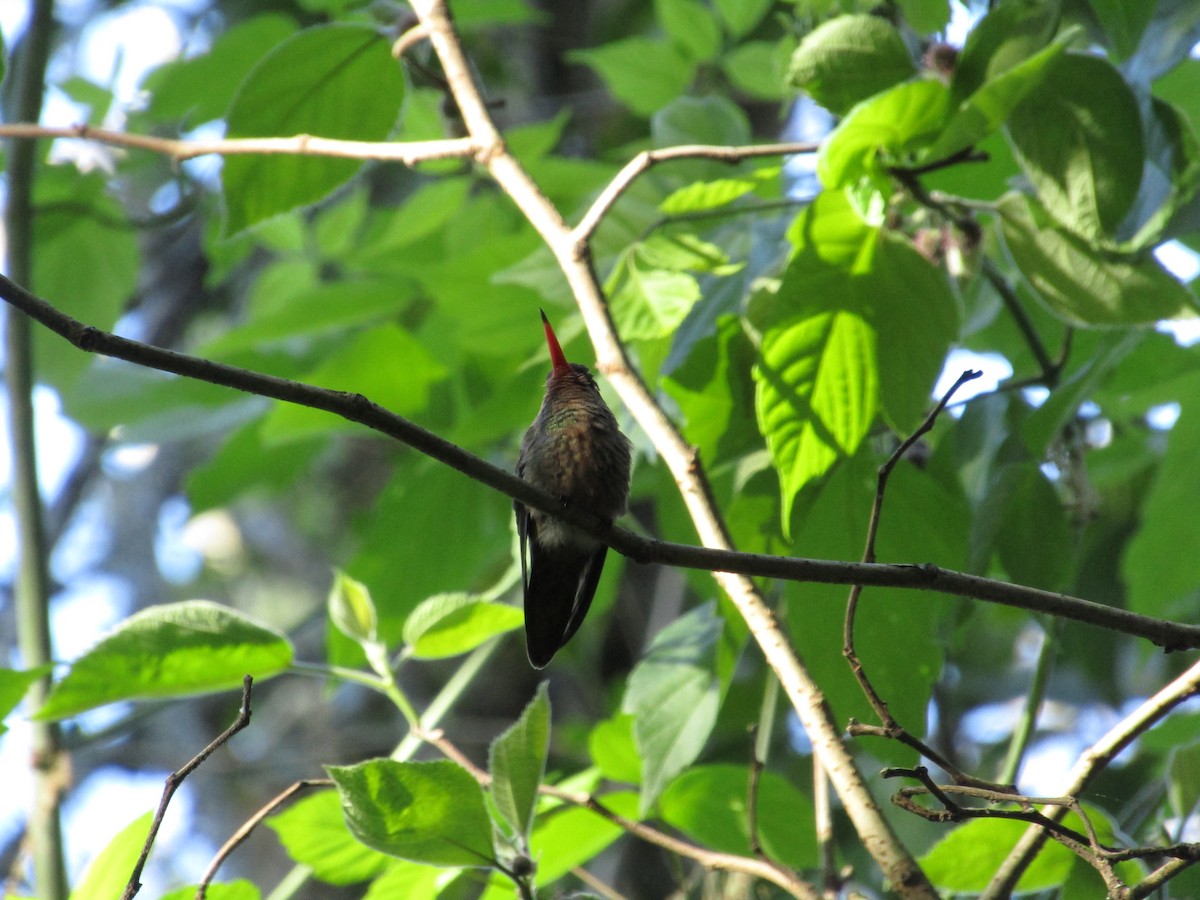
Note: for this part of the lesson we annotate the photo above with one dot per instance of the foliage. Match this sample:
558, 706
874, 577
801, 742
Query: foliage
1010, 201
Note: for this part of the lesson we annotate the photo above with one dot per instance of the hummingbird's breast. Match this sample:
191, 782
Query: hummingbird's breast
576, 451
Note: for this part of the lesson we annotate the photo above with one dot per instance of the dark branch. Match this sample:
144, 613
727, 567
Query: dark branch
356, 408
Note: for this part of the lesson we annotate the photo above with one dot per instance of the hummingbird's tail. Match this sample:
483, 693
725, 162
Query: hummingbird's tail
558, 594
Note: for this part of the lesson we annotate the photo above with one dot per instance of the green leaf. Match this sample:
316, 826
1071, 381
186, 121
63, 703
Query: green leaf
968, 856
314, 833
176, 650
1184, 779
1079, 139
452, 624
715, 393
613, 750
1033, 538
740, 16
674, 694
704, 195
1081, 285
244, 466
1045, 424
700, 120
365, 364
315, 312
108, 873
200, 89
880, 130
691, 27
352, 610
138, 404
406, 879
1162, 581
643, 73
233, 890
339, 81
925, 16
709, 804
407, 558
14, 685
85, 262
989, 106
651, 303
517, 763
915, 307
430, 812
1009, 34
817, 395
1123, 23
758, 68
846, 60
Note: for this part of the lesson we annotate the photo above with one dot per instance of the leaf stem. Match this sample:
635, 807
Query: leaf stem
1027, 722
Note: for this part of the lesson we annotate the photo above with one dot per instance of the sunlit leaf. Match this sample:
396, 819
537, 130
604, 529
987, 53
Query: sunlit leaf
194, 647
430, 812
108, 874
1081, 285
314, 833
339, 81
1080, 142
453, 624
848, 59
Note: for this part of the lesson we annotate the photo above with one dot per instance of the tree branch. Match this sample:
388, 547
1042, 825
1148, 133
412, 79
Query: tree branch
31, 589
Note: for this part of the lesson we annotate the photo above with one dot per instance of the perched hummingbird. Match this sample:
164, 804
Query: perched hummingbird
574, 451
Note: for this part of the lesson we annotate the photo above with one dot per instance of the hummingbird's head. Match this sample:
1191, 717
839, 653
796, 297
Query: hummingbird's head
564, 373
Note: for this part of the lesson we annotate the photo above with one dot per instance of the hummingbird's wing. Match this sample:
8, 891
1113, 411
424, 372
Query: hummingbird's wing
587, 590
523, 523
558, 594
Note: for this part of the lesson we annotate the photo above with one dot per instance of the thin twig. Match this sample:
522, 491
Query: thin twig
409, 153
243, 832
890, 727
175, 779
356, 408
582, 233
752, 779
1051, 370
409, 39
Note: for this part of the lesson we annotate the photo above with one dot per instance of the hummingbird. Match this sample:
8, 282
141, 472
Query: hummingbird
575, 451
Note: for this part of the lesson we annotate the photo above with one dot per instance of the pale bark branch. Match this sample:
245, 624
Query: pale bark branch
178, 149
876, 834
